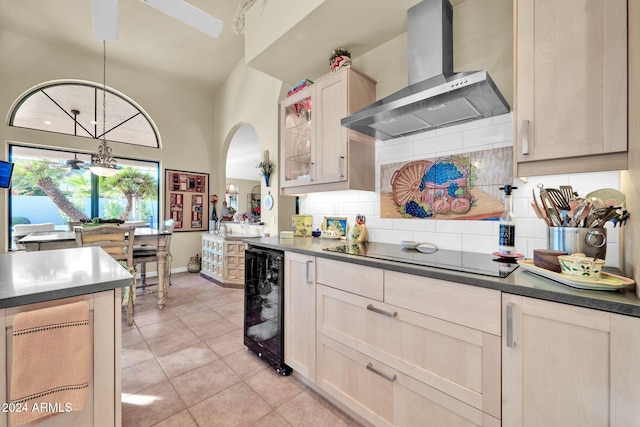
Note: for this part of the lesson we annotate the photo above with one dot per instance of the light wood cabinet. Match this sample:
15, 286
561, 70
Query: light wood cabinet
398, 349
571, 86
357, 279
223, 260
431, 353
103, 406
385, 396
317, 153
455, 360
300, 317
625, 371
568, 366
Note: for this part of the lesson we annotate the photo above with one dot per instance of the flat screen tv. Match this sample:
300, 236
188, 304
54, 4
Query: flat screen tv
6, 169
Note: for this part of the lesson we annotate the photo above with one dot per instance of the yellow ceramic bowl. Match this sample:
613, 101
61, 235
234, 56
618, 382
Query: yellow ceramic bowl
578, 265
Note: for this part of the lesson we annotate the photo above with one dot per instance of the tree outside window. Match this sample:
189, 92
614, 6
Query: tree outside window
46, 189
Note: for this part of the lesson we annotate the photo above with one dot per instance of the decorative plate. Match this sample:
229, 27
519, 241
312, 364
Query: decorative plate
426, 248
607, 282
268, 201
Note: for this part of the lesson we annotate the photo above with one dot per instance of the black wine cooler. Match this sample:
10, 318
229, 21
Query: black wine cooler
264, 306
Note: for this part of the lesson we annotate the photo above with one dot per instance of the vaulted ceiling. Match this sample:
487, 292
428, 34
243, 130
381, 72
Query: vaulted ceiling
149, 41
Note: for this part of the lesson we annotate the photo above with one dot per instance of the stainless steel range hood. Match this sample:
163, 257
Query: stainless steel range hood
436, 97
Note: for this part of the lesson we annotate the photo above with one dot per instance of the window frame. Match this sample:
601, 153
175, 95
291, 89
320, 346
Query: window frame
95, 184
97, 103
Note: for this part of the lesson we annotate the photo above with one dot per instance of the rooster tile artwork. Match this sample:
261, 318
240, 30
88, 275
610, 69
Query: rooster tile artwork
461, 186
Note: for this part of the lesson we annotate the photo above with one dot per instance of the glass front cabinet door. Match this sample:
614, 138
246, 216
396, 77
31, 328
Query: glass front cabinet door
298, 138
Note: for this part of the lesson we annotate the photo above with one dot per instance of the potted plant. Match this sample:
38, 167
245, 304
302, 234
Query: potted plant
339, 59
266, 167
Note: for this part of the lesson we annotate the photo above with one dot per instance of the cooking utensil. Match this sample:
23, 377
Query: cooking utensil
558, 198
597, 202
538, 208
620, 218
581, 212
607, 194
603, 215
550, 207
539, 214
568, 193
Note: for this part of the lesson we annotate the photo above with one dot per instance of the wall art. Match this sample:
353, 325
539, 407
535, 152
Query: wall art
461, 186
186, 199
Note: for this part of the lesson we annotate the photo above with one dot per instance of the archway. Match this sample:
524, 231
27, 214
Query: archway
243, 155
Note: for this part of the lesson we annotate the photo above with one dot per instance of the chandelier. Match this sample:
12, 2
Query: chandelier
102, 162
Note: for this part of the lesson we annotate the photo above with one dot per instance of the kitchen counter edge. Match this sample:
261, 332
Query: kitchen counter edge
98, 278
519, 282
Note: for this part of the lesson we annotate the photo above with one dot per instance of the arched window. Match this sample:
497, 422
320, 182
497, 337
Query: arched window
75, 108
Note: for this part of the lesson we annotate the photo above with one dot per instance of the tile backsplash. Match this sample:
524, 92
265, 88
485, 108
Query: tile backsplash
470, 235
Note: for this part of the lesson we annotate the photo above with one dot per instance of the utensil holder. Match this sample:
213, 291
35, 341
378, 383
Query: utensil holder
590, 241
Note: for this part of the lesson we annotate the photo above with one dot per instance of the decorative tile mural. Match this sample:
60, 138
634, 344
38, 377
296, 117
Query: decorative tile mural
462, 186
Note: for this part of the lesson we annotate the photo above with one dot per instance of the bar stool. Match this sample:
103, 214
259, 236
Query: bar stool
142, 254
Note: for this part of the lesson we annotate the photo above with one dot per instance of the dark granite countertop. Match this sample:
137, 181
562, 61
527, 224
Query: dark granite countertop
31, 277
519, 282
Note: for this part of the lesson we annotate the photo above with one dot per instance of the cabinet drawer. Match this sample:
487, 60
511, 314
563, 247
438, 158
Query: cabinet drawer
460, 361
358, 279
231, 261
471, 306
385, 396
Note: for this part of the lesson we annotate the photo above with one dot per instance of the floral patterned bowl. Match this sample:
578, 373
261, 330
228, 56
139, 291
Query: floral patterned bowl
579, 265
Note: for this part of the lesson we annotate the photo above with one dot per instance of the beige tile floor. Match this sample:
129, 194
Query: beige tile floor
187, 366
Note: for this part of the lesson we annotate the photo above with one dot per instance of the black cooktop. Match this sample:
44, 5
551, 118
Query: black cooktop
468, 262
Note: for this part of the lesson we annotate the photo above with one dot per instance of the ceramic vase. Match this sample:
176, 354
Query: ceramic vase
194, 264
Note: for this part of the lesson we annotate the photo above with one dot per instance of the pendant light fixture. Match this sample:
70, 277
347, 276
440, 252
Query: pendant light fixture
102, 162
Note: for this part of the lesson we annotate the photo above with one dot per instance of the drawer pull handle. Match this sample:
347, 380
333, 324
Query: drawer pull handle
370, 307
390, 378
510, 340
340, 166
525, 137
308, 278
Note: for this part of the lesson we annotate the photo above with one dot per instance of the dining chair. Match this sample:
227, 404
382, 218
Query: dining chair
21, 230
142, 254
117, 242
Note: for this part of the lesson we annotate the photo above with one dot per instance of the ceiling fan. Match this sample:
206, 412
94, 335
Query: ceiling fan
75, 163
105, 17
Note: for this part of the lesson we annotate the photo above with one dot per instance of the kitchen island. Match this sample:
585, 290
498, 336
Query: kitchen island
394, 343
36, 280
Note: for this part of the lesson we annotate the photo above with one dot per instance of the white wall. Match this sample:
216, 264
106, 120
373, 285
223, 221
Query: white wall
182, 115
251, 97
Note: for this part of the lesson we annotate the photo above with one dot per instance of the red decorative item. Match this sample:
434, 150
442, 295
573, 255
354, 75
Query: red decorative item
307, 103
297, 108
340, 62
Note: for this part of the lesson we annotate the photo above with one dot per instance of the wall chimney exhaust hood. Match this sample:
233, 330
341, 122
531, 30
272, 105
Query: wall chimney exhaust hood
436, 96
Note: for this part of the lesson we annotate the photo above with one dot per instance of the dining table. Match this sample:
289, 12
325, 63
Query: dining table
62, 239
